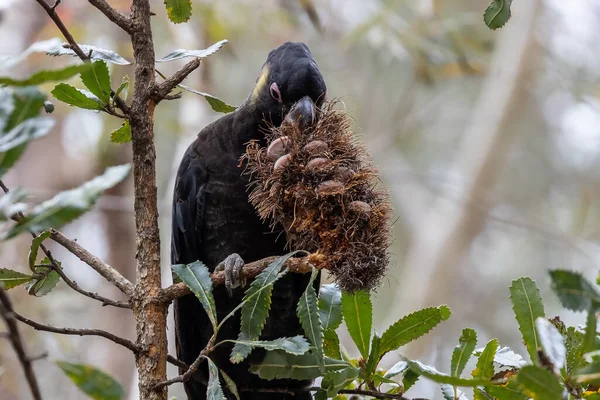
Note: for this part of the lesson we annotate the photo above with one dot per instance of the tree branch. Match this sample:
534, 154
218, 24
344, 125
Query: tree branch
14, 336
51, 11
162, 91
360, 392
112, 14
251, 270
79, 332
107, 272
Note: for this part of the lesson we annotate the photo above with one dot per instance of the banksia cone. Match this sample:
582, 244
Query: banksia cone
316, 181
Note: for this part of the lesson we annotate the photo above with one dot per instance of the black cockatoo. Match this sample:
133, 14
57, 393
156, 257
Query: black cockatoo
213, 221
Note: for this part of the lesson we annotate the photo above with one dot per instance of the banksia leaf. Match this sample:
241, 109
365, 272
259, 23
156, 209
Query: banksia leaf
330, 306
281, 365
412, 327
292, 345
255, 307
178, 10
308, 313
92, 381
552, 342
331, 344
462, 352
497, 14
213, 389
97, 80
539, 383
197, 277
10, 279
574, 291
527, 306
358, 314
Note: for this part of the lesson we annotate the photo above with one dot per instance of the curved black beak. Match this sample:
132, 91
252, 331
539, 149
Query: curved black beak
303, 112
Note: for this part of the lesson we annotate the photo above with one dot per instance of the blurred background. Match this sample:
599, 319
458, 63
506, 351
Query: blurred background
489, 142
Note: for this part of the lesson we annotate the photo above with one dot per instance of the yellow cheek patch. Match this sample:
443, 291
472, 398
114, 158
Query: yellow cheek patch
261, 82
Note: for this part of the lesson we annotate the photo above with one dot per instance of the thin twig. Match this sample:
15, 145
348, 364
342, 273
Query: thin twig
112, 14
17, 343
107, 272
176, 362
79, 332
360, 392
51, 11
251, 270
161, 91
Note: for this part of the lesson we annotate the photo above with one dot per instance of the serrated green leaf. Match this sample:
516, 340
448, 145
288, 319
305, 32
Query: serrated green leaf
433, 374
27, 103
485, 363
10, 279
539, 383
44, 285
330, 306
97, 80
197, 277
574, 346
589, 338
182, 53
255, 307
412, 327
510, 391
231, 386
213, 389
462, 352
92, 381
497, 13
374, 355
335, 381
573, 290
123, 88
75, 97
122, 134
95, 53
44, 76
215, 103
281, 365
409, 378
331, 344
35, 246
69, 205
552, 342
14, 142
294, 345
179, 10
358, 314
527, 306
308, 314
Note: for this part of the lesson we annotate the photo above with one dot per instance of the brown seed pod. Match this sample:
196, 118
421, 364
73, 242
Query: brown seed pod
324, 193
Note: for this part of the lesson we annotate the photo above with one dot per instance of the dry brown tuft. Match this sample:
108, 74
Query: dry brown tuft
326, 196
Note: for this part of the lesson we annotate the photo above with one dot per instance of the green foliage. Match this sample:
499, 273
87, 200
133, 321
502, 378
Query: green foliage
462, 352
68, 205
213, 389
97, 80
92, 381
35, 246
412, 327
527, 306
589, 339
76, 97
215, 103
358, 314
308, 315
539, 383
574, 346
436, 376
497, 13
44, 76
230, 384
279, 365
182, 53
179, 10
330, 306
10, 279
255, 307
27, 103
13, 142
485, 363
589, 374
197, 277
122, 134
331, 344
334, 381
46, 279
123, 88
574, 291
